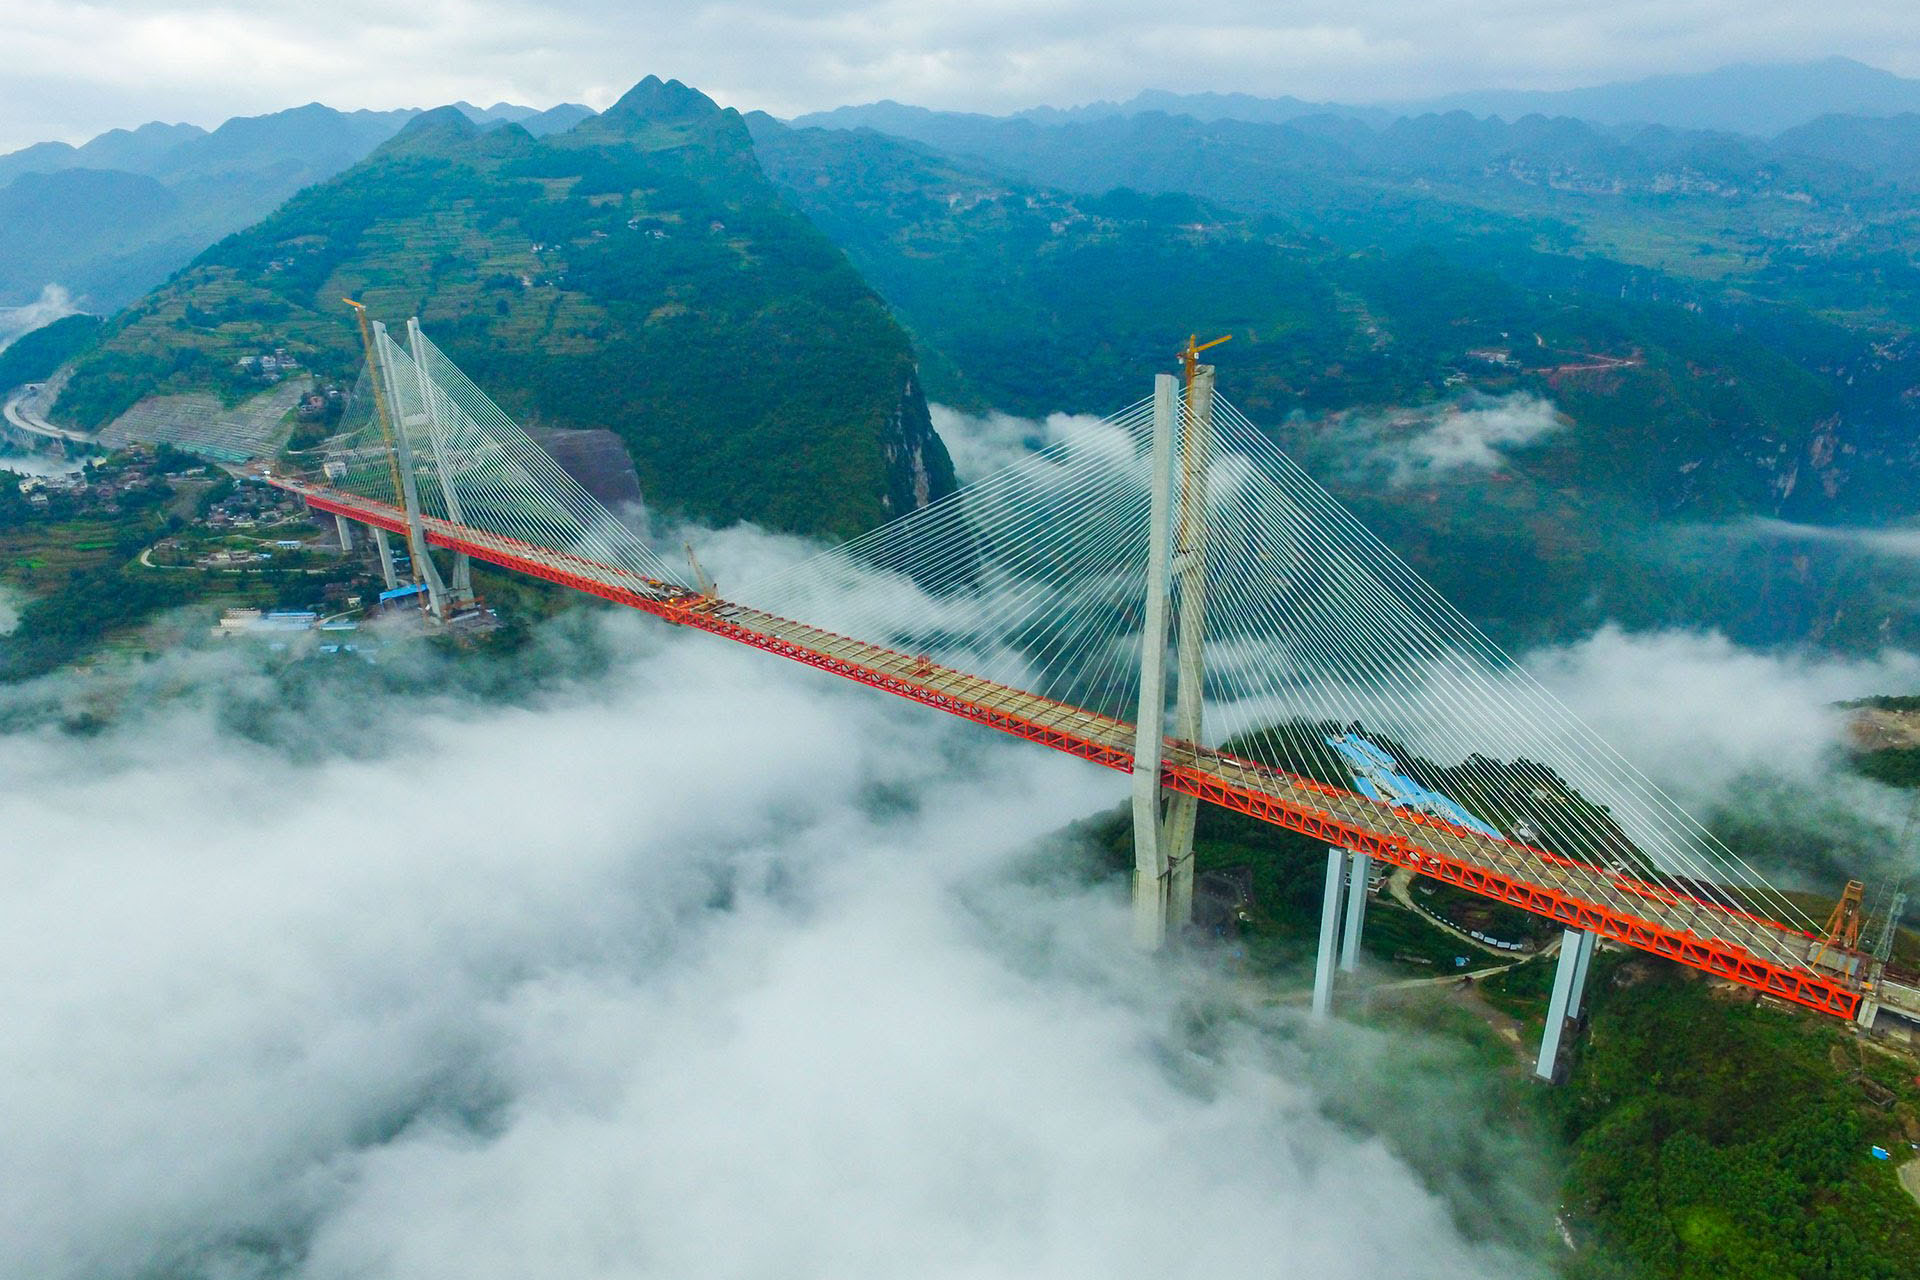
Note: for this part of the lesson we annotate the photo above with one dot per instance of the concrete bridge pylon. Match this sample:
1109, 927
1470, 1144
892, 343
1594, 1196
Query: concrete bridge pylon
1163, 819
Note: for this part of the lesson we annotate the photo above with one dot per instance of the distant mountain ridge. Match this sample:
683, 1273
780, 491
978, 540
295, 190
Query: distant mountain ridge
158, 149
1762, 100
112, 217
1757, 100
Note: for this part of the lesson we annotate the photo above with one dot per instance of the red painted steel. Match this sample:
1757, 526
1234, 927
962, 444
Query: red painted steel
1813, 990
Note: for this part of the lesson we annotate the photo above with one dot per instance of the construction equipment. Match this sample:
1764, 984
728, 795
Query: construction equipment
1843, 926
701, 582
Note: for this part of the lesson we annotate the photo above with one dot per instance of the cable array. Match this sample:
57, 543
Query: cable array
1033, 577
470, 463
1314, 628
1316, 633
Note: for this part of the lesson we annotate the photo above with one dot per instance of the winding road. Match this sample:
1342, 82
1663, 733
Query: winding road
22, 410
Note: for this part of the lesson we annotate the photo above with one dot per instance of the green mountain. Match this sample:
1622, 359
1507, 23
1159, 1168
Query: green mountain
637, 272
1638, 418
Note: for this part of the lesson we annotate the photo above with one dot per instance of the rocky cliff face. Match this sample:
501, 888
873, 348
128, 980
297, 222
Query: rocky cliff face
919, 471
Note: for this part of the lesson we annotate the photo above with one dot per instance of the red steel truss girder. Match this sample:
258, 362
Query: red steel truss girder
1005, 721
1718, 958
1709, 955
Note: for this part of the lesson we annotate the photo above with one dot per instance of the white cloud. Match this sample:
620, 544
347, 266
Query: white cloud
1695, 708
982, 444
54, 302
1413, 445
1900, 541
76, 69
683, 962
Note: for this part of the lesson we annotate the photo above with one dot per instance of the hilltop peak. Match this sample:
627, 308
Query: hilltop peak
431, 131
655, 99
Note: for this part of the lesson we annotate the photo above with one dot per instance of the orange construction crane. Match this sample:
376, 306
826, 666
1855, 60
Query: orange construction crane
1843, 926
1190, 354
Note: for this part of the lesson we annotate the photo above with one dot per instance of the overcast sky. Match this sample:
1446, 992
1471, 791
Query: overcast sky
75, 69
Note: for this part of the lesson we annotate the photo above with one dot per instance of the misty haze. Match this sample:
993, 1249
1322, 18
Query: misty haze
739, 642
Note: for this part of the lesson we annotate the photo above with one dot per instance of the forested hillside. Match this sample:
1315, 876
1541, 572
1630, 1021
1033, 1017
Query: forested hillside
1556, 435
637, 272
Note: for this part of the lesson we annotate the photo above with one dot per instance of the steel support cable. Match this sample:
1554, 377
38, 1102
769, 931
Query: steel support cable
506, 470
1017, 473
1367, 681
910, 560
1337, 691
1105, 570
1368, 671
1659, 821
962, 524
974, 538
1664, 814
1046, 620
517, 496
1582, 838
595, 527
1682, 853
960, 533
1334, 691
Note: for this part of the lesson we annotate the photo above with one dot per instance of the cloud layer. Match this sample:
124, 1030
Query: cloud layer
685, 962
77, 69
53, 303
1471, 434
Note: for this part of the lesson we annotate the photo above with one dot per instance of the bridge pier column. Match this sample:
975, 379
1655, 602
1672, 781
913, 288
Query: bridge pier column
1329, 933
1576, 1002
345, 528
1359, 867
386, 557
1568, 977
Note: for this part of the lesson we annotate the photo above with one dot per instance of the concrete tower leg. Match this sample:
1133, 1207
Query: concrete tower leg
423, 566
1359, 867
1149, 834
386, 557
345, 528
1329, 933
1563, 998
1190, 563
432, 400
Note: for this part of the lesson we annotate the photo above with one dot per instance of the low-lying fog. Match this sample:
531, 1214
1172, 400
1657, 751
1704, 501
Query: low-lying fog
689, 963
634, 954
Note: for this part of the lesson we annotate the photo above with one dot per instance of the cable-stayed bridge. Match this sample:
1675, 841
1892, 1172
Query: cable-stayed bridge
1165, 593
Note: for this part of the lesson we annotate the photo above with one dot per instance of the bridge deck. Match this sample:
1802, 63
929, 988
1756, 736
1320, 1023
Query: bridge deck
1743, 948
